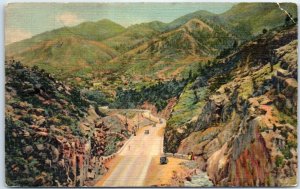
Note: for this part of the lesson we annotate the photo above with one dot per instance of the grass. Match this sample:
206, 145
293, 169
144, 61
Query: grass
264, 73
286, 152
246, 88
279, 161
284, 118
187, 106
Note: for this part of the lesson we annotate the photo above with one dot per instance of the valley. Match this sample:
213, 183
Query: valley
97, 104
136, 156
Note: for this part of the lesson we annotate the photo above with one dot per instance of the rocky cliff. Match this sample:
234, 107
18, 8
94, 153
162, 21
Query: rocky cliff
53, 136
245, 133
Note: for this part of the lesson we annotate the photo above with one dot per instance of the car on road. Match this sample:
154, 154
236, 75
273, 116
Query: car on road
146, 132
163, 160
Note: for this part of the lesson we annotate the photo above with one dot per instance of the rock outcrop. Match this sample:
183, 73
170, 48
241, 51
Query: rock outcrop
246, 132
53, 136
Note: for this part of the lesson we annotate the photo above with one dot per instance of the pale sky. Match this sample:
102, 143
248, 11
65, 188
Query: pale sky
23, 20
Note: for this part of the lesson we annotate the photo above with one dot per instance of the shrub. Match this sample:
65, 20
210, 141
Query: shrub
279, 161
287, 153
157, 94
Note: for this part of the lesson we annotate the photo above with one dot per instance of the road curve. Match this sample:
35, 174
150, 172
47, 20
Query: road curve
137, 154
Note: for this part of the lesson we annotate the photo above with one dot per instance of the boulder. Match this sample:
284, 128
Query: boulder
55, 153
40, 147
28, 149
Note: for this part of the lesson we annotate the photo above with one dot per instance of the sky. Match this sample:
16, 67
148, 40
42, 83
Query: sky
24, 20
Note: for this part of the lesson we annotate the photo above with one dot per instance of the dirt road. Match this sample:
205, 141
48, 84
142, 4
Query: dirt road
137, 154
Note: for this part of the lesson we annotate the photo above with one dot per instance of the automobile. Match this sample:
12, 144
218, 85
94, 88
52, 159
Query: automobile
160, 121
146, 132
154, 125
163, 160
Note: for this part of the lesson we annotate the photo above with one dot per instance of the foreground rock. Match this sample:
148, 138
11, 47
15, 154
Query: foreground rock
53, 136
246, 132
199, 180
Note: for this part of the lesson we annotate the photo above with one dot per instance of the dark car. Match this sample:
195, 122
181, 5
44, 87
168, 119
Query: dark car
146, 132
163, 160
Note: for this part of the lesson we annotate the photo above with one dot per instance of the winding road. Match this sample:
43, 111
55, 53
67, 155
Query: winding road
137, 154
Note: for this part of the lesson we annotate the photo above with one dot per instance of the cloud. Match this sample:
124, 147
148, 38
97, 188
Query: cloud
14, 34
68, 19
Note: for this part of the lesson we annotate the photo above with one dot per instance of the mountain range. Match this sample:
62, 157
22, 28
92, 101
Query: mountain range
148, 51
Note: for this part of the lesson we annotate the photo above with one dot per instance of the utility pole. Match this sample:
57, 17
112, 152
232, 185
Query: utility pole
126, 124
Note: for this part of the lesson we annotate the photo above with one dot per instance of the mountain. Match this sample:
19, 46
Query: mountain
135, 35
68, 52
244, 19
232, 112
195, 37
201, 15
88, 30
145, 52
98, 31
169, 54
68, 57
252, 18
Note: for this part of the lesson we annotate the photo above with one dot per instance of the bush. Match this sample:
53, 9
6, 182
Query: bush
287, 153
95, 96
264, 31
157, 94
279, 161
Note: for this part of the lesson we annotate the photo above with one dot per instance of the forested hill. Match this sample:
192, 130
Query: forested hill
98, 53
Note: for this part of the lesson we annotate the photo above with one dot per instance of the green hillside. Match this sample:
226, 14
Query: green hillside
244, 19
88, 30
201, 14
170, 54
252, 18
135, 35
147, 52
195, 37
98, 31
69, 57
